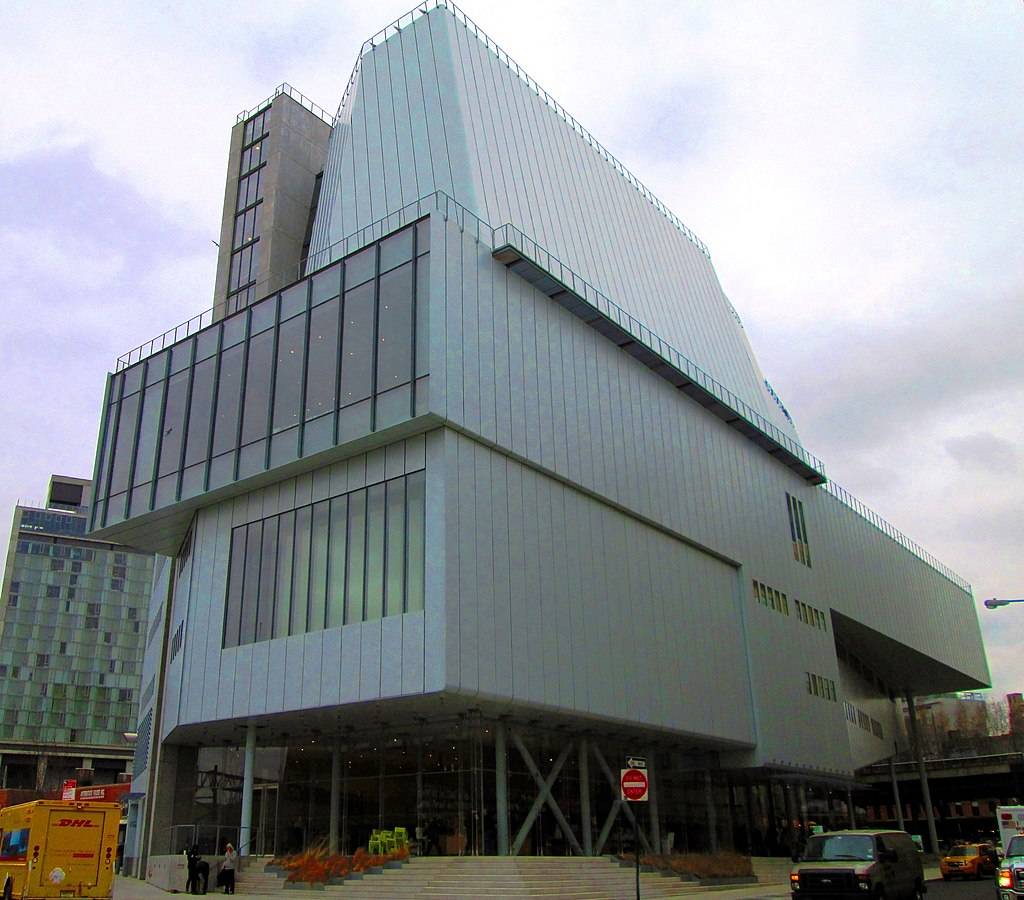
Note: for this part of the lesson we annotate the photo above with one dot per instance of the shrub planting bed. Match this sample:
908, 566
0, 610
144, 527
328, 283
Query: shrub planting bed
318, 867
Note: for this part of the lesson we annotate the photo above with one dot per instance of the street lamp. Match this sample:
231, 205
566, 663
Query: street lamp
995, 604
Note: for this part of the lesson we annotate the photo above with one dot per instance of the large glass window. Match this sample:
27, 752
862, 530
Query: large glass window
322, 377
357, 557
291, 354
174, 424
257, 387
200, 412
229, 393
283, 591
300, 571
125, 442
394, 328
287, 378
357, 345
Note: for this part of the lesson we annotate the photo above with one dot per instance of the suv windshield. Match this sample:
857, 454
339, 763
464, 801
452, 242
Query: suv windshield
840, 846
963, 851
1016, 846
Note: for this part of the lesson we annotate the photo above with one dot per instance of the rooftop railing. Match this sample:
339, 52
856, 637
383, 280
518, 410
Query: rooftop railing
510, 236
436, 202
868, 514
297, 96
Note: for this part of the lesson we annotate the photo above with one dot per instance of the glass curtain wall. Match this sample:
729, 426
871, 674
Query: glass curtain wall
334, 357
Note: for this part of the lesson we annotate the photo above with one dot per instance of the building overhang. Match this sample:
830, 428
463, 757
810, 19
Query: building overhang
533, 264
898, 664
354, 723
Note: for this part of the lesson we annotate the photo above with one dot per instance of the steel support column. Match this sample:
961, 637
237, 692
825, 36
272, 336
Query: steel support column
248, 777
712, 813
544, 796
332, 838
896, 791
584, 773
652, 803
501, 786
926, 794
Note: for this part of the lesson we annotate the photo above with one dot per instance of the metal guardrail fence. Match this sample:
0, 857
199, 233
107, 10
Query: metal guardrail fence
511, 236
865, 512
297, 96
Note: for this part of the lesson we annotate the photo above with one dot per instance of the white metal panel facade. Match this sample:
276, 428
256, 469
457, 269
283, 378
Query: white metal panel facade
435, 101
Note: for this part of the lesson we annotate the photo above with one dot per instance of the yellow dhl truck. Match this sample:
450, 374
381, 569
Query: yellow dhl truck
58, 848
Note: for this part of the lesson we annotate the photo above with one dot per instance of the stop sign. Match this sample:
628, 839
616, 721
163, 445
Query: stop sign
634, 784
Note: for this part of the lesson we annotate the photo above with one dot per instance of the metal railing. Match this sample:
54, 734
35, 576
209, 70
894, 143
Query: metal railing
297, 96
869, 515
422, 9
509, 235
437, 202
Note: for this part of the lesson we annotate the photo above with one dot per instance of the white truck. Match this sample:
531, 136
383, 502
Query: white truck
1010, 820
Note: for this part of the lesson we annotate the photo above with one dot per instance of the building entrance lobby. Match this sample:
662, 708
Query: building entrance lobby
462, 784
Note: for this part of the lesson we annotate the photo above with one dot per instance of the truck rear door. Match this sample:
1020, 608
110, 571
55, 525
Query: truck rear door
72, 851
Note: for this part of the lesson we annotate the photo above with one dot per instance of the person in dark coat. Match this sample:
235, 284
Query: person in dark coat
198, 871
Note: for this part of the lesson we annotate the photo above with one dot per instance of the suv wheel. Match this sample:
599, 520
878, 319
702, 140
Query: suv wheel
918, 890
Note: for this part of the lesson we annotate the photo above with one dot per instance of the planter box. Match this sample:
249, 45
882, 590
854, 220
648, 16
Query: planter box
354, 876
303, 886
393, 864
337, 880
375, 870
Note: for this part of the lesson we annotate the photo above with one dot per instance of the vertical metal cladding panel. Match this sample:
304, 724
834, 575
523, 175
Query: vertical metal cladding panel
435, 90
607, 645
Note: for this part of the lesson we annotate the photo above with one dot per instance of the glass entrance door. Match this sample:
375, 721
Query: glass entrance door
264, 820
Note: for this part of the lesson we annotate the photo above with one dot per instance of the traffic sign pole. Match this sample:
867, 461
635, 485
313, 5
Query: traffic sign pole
636, 849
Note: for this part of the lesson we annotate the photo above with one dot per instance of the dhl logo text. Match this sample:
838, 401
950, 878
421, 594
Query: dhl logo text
75, 823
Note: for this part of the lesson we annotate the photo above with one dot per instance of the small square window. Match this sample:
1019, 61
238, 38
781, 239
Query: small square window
52, 591
108, 637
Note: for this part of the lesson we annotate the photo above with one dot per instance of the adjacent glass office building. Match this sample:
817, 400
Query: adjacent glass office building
74, 626
480, 493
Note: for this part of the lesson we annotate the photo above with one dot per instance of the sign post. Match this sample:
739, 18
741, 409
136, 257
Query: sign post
634, 785
67, 791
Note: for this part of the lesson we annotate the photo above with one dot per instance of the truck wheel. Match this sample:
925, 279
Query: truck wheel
7, 891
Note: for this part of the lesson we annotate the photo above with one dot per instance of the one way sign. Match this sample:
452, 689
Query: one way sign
636, 762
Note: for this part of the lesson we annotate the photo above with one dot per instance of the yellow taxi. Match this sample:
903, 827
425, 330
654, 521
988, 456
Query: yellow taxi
969, 861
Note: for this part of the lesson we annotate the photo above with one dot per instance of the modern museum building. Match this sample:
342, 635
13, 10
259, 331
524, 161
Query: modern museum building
469, 489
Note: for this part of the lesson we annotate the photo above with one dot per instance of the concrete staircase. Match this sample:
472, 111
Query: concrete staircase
565, 878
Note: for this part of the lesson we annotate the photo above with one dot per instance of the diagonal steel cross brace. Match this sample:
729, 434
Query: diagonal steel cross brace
618, 804
544, 796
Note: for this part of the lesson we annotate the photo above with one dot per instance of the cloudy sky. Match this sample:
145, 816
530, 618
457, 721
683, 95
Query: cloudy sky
856, 168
